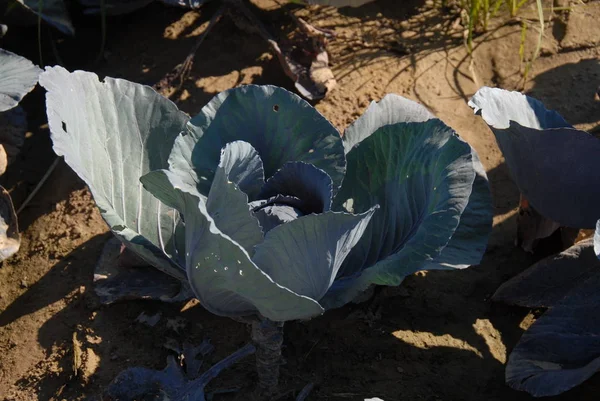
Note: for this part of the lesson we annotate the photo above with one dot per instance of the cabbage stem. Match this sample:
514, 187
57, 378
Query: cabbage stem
267, 337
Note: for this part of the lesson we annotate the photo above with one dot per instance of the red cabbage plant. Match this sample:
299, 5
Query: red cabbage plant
555, 167
261, 207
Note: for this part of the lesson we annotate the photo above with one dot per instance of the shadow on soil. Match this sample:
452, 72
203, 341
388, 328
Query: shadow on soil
571, 90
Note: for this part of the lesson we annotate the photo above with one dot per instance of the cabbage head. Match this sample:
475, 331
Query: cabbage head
260, 203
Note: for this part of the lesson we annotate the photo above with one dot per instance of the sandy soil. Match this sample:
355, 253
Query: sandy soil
437, 337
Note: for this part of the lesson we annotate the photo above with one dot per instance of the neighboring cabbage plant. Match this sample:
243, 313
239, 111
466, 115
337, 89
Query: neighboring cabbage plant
18, 76
261, 205
552, 163
555, 166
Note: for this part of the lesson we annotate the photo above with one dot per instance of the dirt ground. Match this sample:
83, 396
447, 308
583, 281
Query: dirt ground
437, 337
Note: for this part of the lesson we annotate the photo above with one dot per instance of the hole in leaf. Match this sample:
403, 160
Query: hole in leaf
276, 108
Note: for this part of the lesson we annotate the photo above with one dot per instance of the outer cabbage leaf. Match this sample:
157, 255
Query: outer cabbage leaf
220, 271
498, 107
422, 175
548, 281
173, 383
53, 12
469, 242
111, 134
552, 164
18, 77
392, 109
138, 383
305, 255
115, 281
562, 348
280, 125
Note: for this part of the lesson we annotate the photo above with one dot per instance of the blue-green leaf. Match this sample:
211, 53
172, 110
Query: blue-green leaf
219, 270
498, 107
548, 281
18, 77
243, 166
278, 124
552, 164
468, 244
112, 133
392, 109
115, 281
199, 174
422, 175
304, 181
562, 348
305, 255
227, 205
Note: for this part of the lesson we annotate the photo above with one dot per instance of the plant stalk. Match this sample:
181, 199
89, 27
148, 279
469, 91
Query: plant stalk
267, 337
